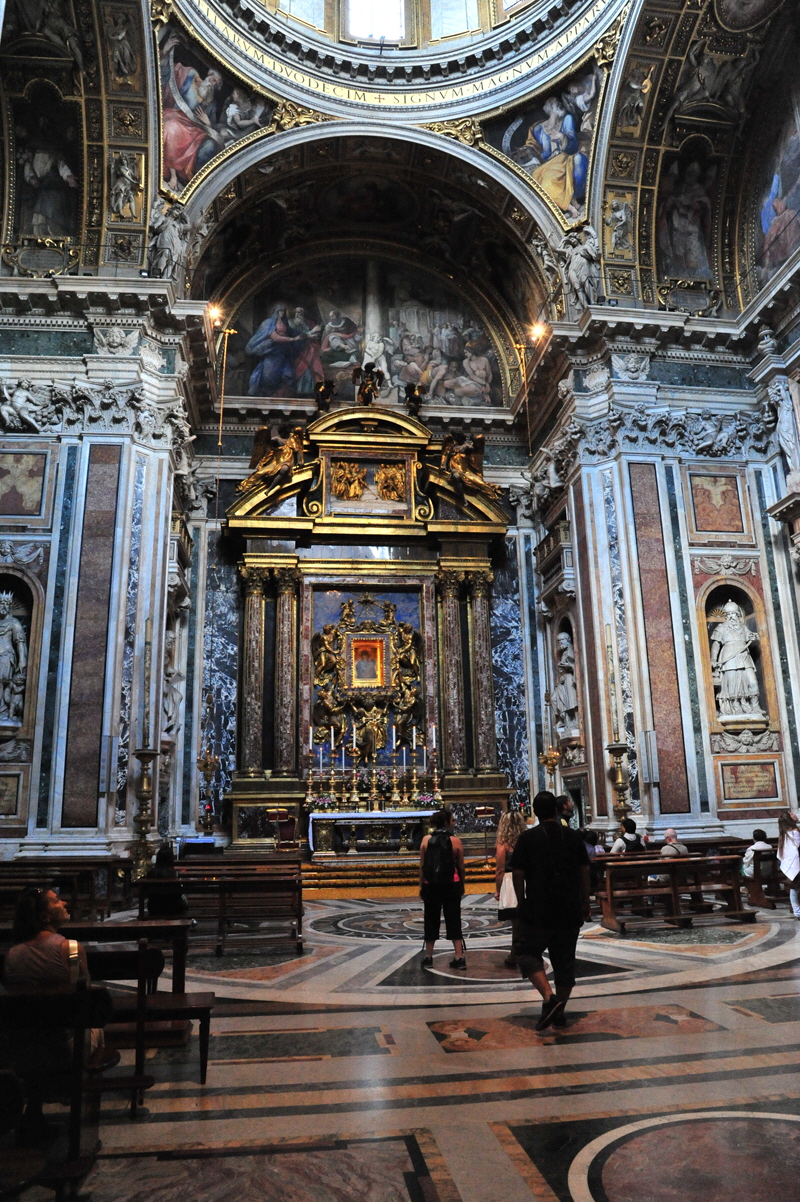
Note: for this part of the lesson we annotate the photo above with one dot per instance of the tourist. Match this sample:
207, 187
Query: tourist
789, 856
566, 809
41, 958
627, 840
509, 829
170, 900
672, 846
441, 886
594, 847
748, 860
551, 877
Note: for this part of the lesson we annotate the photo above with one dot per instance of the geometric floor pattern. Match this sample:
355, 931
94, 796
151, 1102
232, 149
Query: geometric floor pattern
351, 1074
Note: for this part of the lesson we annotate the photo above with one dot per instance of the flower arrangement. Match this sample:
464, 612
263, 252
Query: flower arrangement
324, 804
426, 801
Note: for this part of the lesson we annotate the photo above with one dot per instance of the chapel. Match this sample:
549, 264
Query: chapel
399, 419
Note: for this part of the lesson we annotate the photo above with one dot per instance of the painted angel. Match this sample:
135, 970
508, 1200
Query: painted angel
274, 457
462, 463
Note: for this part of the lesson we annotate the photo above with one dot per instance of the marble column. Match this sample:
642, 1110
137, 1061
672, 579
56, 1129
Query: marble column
479, 584
452, 672
286, 671
252, 708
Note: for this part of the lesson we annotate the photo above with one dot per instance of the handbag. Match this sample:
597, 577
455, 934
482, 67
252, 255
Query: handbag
507, 903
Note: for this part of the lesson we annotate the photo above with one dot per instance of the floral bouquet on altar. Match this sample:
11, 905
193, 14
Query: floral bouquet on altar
324, 804
426, 801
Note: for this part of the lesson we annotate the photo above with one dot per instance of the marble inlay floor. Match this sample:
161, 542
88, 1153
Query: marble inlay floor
348, 1075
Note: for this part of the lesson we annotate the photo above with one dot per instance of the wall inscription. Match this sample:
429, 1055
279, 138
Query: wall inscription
749, 781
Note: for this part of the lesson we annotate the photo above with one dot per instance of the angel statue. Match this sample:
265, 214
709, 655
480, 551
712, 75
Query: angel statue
414, 397
371, 379
326, 647
115, 341
274, 457
371, 732
18, 408
462, 463
323, 391
407, 714
328, 715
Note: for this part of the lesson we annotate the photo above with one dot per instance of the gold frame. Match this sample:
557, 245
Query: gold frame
354, 642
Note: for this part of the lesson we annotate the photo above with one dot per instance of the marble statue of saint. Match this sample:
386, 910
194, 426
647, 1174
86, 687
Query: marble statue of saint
13, 662
733, 669
565, 695
172, 696
786, 428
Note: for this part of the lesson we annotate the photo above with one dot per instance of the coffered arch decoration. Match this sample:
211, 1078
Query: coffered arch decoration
676, 135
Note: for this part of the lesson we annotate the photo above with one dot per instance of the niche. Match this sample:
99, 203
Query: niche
737, 672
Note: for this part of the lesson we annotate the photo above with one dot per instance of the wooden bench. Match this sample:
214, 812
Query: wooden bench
767, 884
172, 931
90, 885
220, 902
627, 892
147, 1006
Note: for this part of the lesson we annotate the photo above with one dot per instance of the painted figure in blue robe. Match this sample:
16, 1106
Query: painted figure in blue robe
552, 156
275, 344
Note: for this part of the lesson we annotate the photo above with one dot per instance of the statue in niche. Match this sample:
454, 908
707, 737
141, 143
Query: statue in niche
732, 668
274, 457
172, 697
564, 699
462, 463
786, 429
13, 660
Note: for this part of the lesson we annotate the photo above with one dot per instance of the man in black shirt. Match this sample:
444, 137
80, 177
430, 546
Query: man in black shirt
551, 879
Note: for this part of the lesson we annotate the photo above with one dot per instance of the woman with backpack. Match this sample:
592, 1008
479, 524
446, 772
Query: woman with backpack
441, 886
627, 840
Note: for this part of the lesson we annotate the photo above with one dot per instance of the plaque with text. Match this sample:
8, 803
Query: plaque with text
749, 781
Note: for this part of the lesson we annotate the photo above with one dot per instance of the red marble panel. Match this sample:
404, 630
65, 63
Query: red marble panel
592, 687
664, 692
87, 685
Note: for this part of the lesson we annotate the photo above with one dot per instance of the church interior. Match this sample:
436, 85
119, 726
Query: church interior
399, 413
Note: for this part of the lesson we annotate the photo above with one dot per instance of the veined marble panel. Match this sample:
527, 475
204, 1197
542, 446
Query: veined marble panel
509, 675
131, 599
220, 665
621, 631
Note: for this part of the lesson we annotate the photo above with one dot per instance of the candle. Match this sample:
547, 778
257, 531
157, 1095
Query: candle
404, 759
413, 738
354, 737
433, 732
320, 761
311, 738
394, 738
424, 758
332, 740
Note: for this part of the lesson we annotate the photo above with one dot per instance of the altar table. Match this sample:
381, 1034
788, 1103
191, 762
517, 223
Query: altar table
332, 832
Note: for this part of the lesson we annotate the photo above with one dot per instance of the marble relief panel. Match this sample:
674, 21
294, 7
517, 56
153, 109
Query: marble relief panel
509, 675
628, 732
220, 665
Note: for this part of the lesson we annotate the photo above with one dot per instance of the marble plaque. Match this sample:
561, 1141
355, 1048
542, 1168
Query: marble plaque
717, 504
9, 796
749, 781
21, 483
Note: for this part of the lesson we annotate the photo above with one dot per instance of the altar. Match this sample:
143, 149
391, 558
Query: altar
366, 697
391, 832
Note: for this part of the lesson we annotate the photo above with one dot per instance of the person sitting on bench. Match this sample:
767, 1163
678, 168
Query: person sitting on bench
170, 901
41, 958
627, 840
748, 860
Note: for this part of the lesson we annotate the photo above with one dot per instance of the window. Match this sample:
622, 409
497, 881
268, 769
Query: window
310, 11
450, 17
376, 19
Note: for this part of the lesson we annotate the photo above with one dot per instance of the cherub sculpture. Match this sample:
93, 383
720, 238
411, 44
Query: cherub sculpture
414, 397
274, 457
370, 380
19, 407
326, 646
323, 391
462, 463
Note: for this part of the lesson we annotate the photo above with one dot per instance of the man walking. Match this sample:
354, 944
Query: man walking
551, 880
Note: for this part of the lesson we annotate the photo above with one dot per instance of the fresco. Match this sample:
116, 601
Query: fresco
778, 213
551, 138
204, 109
48, 138
321, 322
684, 218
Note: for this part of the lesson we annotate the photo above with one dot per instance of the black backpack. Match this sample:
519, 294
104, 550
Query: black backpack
438, 866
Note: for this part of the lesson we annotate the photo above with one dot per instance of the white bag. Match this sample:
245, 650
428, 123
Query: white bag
508, 894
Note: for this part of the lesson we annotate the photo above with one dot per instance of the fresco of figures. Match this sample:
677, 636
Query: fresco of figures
322, 322
204, 109
551, 139
778, 212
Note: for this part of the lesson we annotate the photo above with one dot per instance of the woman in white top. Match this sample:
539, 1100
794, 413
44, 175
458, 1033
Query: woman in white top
509, 829
789, 856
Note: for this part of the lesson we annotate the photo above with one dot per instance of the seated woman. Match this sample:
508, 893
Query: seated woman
170, 900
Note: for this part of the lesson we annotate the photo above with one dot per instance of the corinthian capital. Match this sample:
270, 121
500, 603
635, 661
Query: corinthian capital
286, 579
480, 583
449, 582
254, 578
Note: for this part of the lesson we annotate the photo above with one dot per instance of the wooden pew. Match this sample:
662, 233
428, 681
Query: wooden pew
627, 893
217, 902
90, 885
767, 885
172, 931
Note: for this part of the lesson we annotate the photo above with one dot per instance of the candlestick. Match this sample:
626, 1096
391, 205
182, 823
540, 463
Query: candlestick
437, 792
612, 686
395, 790
354, 798
373, 790
414, 783
310, 789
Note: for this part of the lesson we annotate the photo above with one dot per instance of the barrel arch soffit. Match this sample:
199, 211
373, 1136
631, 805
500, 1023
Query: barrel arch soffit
605, 125
259, 152
237, 47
